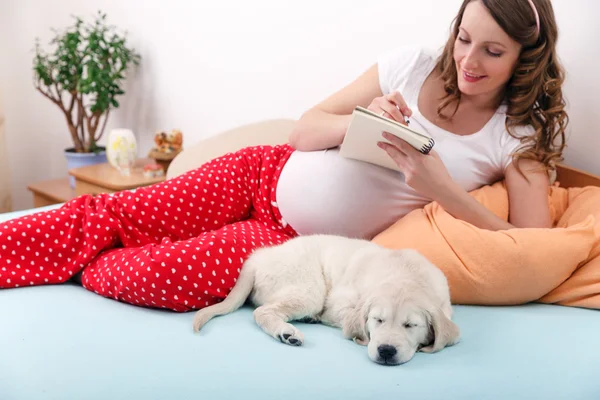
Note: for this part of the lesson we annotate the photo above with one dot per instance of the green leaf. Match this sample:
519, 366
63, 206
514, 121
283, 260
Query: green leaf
86, 60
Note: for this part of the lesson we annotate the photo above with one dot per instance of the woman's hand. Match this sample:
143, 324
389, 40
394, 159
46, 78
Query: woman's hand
425, 173
391, 106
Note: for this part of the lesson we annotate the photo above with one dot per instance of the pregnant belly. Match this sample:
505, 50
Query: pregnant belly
322, 192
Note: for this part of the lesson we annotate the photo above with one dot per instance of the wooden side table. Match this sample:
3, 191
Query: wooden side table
92, 179
103, 178
50, 192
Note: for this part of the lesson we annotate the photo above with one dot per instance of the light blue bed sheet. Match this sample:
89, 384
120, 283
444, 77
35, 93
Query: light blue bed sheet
63, 342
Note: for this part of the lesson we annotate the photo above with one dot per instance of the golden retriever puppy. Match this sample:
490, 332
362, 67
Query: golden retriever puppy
394, 301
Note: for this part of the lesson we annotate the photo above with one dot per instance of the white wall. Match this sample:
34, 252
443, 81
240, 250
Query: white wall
210, 65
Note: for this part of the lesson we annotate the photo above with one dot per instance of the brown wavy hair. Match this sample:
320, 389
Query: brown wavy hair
534, 92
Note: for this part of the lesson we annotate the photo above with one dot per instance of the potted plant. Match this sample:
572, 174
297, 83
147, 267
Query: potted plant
84, 76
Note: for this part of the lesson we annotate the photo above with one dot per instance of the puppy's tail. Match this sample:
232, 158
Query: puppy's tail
234, 300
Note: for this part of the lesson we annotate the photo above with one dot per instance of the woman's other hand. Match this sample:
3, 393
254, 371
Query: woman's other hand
425, 173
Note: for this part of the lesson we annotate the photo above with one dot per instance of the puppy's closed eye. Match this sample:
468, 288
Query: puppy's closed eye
409, 325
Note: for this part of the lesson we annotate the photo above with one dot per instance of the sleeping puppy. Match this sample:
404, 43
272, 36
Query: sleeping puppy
394, 301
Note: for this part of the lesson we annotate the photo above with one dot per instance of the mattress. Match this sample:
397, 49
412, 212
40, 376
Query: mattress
63, 342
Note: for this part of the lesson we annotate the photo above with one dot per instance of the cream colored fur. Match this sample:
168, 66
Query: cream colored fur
394, 301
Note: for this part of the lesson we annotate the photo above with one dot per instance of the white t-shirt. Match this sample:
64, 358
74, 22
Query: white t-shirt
321, 192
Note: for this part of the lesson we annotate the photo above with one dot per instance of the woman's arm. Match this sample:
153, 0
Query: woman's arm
528, 194
460, 204
528, 201
325, 125
318, 129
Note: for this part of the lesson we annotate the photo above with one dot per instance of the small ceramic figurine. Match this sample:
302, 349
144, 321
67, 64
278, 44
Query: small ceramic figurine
167, 146
168, 142
153, 170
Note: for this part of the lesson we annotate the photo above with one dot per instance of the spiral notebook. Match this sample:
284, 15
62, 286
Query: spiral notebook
365, 130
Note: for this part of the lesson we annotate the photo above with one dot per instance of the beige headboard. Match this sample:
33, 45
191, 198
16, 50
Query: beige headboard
274, 131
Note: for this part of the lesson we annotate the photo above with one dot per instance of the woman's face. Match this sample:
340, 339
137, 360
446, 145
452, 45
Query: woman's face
484, 55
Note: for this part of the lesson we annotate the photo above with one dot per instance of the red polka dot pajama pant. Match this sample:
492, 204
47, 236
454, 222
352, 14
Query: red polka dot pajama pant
178, 244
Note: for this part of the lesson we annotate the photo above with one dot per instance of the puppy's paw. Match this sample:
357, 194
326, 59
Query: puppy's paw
293, 337
290, 339
360, 341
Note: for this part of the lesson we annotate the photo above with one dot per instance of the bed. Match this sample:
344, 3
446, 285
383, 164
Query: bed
63, 342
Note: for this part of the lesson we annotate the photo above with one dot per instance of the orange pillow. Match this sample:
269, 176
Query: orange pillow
495, 267
582, 288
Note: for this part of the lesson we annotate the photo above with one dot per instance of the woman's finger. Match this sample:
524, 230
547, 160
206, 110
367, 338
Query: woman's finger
396, 154
396, 98
401, 145
391, 111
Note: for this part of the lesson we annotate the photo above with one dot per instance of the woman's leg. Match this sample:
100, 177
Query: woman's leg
52, 246
181, 276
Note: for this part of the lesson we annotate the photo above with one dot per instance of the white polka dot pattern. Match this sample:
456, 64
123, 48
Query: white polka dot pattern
178, 244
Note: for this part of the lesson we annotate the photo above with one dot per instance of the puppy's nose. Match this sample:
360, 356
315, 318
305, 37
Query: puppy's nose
386, 351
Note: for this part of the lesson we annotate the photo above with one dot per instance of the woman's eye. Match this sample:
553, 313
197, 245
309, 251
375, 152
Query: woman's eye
493, 54
463, 40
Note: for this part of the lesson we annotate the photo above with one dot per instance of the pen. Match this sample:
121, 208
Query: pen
405, 117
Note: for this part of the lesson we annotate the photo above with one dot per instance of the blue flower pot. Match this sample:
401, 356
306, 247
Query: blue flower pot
76, 160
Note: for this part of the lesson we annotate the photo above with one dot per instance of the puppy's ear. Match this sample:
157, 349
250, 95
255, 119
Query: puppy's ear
445, 331
354, 325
